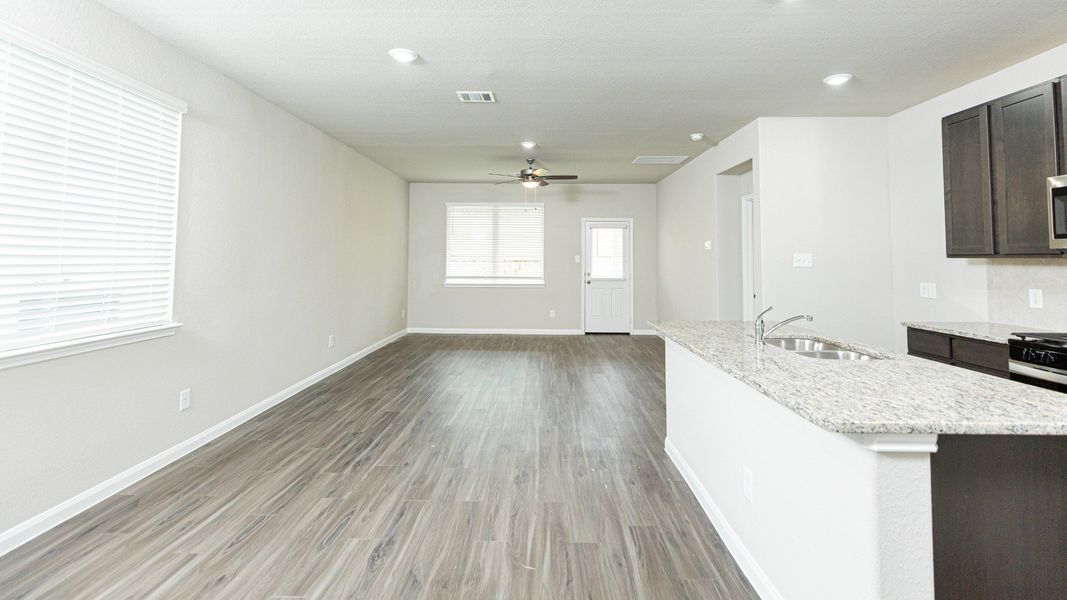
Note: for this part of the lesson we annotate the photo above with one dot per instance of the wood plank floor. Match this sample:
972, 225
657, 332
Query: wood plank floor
437, 467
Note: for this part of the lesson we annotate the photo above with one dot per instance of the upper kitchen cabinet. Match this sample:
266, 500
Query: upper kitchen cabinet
968, 183
1025, 136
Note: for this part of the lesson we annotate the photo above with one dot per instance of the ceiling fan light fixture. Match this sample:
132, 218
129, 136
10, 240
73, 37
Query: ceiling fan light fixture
403, 55
531, 183
529, 144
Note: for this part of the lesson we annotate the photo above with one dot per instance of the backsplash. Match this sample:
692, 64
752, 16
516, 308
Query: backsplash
1009, 284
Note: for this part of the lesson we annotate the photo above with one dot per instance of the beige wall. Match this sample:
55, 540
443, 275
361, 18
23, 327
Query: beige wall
431, 305
688, 213
285, 236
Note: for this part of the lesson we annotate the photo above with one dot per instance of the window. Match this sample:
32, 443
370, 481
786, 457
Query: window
495, 244
88, 198
608, 254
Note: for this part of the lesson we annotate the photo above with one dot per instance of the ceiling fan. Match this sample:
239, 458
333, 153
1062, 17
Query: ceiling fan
531, 177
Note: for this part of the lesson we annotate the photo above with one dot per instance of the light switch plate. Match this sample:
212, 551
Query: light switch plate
185, 398
331, 341
803, 260
928, 290
746, 482
577, 259
707, 245
1037, 298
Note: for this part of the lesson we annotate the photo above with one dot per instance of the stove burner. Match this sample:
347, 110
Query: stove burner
1048, 338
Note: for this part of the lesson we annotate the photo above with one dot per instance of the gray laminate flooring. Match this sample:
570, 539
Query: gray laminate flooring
437, 467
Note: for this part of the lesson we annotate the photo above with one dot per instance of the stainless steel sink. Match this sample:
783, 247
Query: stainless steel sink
813, 348
799, 344
837, 355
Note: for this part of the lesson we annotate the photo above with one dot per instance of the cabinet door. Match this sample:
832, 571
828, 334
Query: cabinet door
1024, 157
968, 186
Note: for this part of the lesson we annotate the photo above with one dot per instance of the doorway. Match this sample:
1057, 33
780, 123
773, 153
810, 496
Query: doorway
607, 275
748, 252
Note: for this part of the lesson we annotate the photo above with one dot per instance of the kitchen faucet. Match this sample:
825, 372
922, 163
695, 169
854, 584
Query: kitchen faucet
760, 333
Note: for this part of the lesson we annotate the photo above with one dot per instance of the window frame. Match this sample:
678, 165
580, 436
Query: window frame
90, 343
502, 282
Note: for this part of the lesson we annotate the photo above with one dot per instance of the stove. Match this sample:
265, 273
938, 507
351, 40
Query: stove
1039, 359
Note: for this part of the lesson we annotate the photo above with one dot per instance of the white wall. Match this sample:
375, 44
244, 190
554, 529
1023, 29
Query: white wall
431, 305
285, 236
688, 217
823, 189
821, 186
968, 289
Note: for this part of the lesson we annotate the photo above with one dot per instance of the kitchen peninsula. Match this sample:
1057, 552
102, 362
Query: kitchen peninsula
846, 478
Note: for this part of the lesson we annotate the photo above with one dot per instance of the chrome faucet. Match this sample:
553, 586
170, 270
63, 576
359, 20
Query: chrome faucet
760, 333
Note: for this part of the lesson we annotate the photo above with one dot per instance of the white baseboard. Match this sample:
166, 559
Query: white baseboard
35, 526
644, 332
463, 331
756, 576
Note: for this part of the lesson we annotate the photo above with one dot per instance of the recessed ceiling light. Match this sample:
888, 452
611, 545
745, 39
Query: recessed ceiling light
696, 137
838, 79
529, 144
403, 55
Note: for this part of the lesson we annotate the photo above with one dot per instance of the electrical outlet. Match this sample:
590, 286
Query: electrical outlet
803, 260
185, 397
577, 259
330, 341
552, 313
1037, 299
746, 482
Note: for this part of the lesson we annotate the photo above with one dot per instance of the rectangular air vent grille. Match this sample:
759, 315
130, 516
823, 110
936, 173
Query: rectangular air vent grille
659, 160
476, 97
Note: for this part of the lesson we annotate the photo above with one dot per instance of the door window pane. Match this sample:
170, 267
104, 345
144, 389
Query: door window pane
607, 253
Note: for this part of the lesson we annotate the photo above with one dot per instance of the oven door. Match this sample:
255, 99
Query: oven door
1050, 379
1057, 212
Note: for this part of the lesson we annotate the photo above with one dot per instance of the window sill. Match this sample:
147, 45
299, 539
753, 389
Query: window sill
26, 356
494, 285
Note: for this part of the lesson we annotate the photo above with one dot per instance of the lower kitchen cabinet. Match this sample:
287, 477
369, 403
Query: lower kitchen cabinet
977, 355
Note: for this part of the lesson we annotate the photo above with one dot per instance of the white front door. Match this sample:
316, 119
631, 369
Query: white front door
607, 282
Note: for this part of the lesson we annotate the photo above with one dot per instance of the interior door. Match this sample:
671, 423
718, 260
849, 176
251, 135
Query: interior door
608, 281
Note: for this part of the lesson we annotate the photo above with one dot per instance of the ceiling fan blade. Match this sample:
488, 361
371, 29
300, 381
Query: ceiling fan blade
503, 175
539, 172
543, 183
559, 177
509, 181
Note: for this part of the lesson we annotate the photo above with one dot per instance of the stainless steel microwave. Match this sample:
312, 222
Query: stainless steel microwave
1057, 212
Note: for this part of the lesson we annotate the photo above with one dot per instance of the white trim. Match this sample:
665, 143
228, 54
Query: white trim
35, 526
58, 53
896, 442
644, 332
629, 264
494, 285
756, 576
471, 331
35, 354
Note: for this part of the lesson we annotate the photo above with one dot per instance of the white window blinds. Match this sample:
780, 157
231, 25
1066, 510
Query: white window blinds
495, 244
88, 194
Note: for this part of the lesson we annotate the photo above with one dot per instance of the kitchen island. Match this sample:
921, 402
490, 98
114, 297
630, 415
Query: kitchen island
818, 474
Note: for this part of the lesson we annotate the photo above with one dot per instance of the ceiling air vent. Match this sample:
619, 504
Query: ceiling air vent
660, 160
476, 97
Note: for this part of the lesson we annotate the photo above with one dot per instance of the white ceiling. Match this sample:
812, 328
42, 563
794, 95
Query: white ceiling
595, 82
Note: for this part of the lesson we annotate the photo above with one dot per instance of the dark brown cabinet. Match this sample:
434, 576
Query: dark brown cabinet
1024, 156
997, 158
976, 355
968, 183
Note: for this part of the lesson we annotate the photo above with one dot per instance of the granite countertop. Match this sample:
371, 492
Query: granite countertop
899, 394
976, 330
